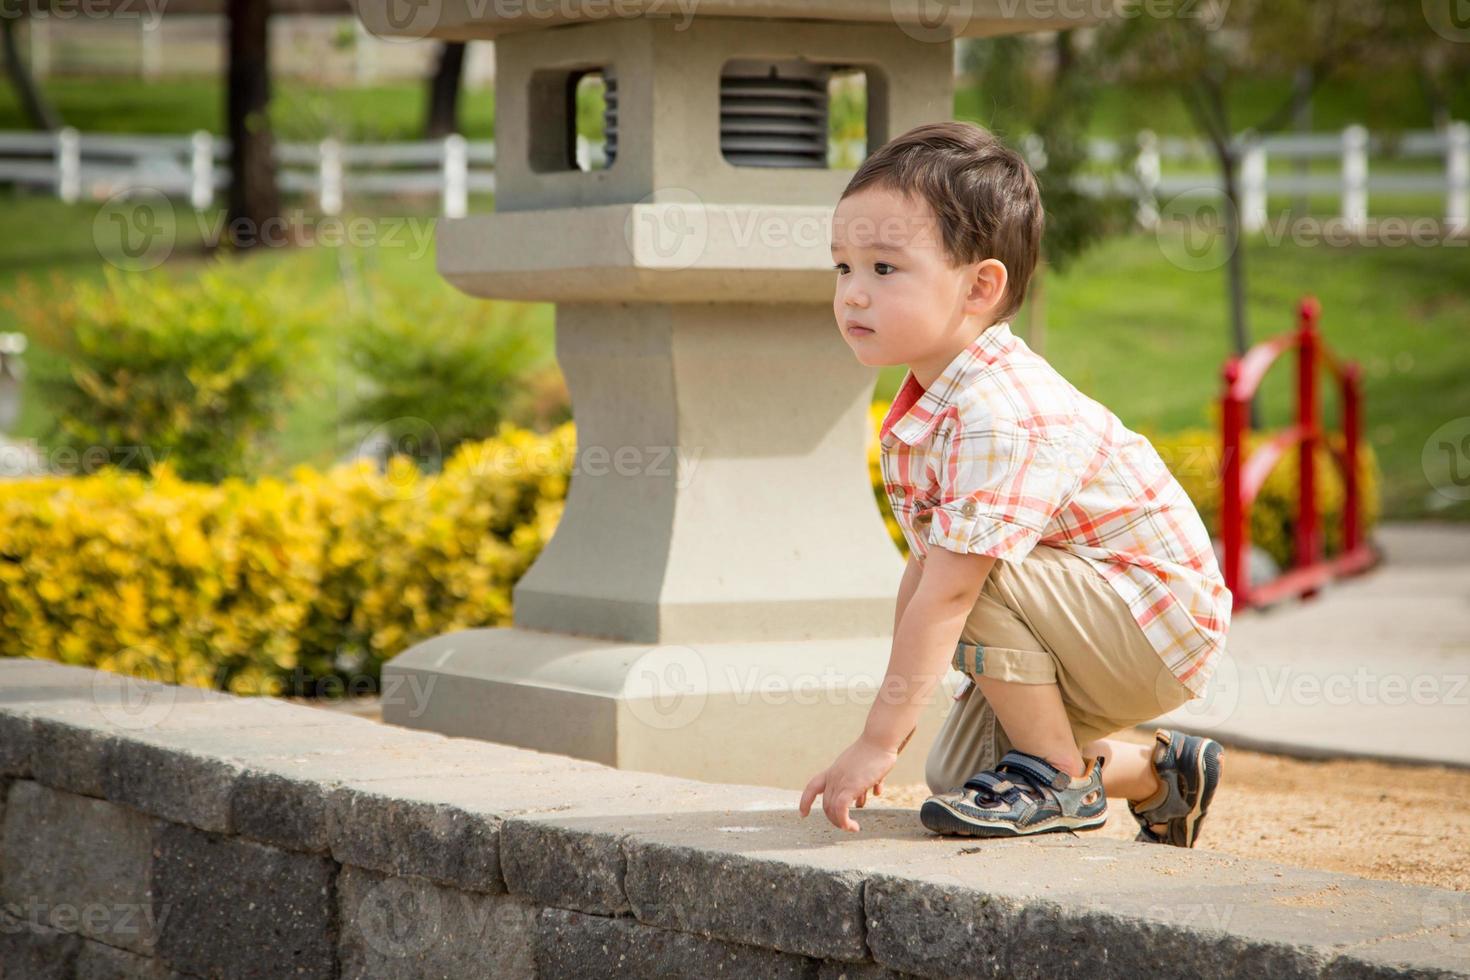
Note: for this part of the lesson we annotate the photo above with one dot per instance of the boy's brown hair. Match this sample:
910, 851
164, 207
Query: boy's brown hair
983, 194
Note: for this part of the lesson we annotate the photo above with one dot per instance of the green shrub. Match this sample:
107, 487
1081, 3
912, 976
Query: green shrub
253, 586
151, 369
437, 366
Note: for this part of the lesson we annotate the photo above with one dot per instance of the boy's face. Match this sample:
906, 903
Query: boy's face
898, 300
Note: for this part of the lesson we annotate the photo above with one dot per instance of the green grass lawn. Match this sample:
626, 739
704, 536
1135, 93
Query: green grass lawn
303, 110
299, 110
1381, 101
312, 433
1127, 326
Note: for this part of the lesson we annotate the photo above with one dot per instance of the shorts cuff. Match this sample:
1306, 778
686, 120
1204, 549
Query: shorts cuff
1005, 663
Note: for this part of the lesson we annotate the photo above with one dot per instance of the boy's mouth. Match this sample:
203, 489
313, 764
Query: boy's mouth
858, 330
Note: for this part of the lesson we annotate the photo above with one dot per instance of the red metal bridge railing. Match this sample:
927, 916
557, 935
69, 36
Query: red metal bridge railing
1244, 475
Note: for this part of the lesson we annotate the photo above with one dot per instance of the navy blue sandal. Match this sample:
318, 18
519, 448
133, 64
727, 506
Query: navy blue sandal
1189, 768
1024, 794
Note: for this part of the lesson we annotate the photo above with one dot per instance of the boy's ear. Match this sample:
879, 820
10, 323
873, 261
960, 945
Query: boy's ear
987, 286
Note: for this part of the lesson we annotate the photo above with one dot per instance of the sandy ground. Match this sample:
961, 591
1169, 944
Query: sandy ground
1399, 823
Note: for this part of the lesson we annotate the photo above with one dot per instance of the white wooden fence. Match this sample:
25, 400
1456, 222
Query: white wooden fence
74, 165
96, 165
1351, 181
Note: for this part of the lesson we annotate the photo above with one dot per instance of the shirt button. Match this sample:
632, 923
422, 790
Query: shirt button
968, 508
900, 492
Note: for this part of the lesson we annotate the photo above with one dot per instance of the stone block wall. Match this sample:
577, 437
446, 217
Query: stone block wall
150, 831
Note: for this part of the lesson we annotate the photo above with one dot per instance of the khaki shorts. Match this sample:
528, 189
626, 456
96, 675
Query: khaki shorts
1051, 618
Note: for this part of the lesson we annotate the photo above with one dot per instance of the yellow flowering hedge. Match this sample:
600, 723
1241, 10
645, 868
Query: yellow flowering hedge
1193, 456
249, 586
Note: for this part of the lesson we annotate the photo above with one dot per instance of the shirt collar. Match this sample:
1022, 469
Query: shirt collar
916, 409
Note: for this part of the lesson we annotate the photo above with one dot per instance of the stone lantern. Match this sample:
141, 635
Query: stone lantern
718, 599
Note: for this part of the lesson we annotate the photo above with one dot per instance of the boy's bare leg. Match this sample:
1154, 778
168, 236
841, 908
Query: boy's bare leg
1128, 769
1036, 722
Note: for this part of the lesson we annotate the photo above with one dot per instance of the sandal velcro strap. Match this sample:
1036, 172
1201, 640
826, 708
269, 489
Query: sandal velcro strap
988, 782
1037, 770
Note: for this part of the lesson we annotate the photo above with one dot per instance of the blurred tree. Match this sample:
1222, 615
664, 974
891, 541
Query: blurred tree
1197, 50
442, 115
1038, 93
254, 197
33, 102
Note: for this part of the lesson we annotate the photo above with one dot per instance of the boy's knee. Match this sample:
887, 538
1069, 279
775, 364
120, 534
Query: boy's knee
940, 781
946, 771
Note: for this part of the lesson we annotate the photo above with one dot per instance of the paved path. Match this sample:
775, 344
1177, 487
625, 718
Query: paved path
1375, 666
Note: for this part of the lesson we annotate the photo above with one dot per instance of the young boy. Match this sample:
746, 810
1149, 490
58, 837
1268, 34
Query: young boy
1054, 558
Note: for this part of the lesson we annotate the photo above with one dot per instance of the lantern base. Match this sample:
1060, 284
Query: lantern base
770, 714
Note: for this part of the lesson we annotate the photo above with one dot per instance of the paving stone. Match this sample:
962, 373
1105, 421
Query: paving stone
30, 951
283, 798
185, 785
837, 970
98, 961
79, 730
408, 928
237, 910
75, 755
449, 830
572, 855
80, 865
15, 744
1213, 916
438, 841
763, 902
574, 945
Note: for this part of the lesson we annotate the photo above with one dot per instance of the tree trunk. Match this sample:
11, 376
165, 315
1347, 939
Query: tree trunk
1235, 269
1434, 96
32, 101
1066, 55
442, 117
254, 198
1301, 115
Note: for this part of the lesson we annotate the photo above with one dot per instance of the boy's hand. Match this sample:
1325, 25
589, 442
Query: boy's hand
846, 782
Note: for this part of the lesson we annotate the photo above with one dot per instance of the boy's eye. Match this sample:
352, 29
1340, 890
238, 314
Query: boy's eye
876, 265
840, 266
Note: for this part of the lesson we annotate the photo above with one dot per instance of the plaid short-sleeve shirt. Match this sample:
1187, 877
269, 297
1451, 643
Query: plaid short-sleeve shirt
1001, 453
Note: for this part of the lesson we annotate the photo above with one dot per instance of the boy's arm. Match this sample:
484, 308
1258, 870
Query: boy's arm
930, 622
906, 587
